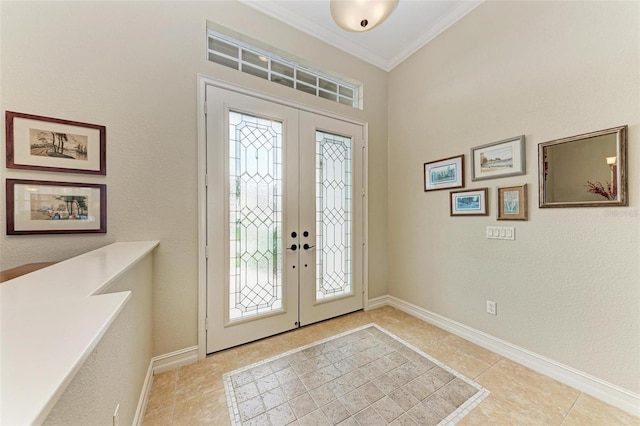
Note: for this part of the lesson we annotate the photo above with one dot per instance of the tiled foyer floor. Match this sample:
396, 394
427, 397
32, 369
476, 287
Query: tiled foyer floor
195, 395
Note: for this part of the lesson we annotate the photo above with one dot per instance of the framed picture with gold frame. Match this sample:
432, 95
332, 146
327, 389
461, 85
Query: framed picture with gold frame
512, 202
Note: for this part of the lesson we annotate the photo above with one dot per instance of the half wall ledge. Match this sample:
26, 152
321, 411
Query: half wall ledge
53, 319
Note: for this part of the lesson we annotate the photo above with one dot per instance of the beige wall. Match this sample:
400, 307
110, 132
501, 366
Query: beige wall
568, 287
132, 66
115, 371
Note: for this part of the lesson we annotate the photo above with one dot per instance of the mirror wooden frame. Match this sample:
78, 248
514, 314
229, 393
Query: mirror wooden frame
620, 183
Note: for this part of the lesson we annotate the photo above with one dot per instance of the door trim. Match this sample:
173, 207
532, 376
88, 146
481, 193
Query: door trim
202, 82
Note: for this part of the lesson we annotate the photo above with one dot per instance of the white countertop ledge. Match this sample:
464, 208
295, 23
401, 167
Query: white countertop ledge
50, 322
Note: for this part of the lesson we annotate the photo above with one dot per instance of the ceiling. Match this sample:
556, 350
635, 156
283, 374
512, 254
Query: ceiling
412, 24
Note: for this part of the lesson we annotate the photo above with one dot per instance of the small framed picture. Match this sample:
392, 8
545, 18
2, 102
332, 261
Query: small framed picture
469, 203
498, 159
512, 202
55, 145
444, 174
43, 207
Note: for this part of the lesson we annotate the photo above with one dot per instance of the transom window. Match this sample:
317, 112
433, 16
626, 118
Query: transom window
236, 54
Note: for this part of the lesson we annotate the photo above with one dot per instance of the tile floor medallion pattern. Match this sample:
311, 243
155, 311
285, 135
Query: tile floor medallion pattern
366, 376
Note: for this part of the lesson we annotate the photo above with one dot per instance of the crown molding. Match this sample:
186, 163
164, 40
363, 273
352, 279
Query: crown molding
434, 31
279, 12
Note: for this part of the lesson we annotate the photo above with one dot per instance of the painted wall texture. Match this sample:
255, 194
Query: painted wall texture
568, 287
132, 67
115, 371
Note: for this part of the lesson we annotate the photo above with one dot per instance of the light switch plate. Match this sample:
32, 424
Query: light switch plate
501, 232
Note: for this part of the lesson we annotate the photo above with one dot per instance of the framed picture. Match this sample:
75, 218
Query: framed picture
469, 203
444, 174
55, 145
41, 207
512, 202
498, 159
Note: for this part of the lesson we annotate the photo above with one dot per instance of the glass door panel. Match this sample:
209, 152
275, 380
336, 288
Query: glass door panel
331, 182
252, 168
255, 216
334, 196
283, 194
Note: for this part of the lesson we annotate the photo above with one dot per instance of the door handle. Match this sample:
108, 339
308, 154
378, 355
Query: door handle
307, 246
293, 247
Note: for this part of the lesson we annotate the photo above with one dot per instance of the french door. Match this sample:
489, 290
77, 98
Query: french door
284, 217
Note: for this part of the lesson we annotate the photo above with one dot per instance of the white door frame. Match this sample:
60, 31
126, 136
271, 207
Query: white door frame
202, 82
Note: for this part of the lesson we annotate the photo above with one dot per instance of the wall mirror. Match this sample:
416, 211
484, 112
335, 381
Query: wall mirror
587, 170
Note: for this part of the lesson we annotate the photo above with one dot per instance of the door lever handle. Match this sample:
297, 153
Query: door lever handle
293, 247
307, 246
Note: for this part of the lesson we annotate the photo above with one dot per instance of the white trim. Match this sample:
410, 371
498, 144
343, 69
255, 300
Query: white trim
202, 82
377, 302
607, 392
157, 365
459, 12
270, 56
365, 217
347, 44
174, 359
144, 396
202, 217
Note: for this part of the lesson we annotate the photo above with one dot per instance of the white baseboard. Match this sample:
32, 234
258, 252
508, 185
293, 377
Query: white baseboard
378, 302
144, 396
174, 360
160, 364
607, 392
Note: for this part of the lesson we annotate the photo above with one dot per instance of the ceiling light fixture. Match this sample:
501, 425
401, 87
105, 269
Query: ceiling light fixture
361, 15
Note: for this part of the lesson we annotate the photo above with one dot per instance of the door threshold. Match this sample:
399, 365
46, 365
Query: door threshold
282, 333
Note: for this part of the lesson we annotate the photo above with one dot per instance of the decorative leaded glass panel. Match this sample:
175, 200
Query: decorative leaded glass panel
333, 216
255, 215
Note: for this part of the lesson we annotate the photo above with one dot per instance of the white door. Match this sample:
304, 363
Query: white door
331, 156
273, 187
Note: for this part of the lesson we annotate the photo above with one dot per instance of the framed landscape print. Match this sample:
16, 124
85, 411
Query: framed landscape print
55, 145
41, 207
444, 174
512, 202
498, 159
469, 203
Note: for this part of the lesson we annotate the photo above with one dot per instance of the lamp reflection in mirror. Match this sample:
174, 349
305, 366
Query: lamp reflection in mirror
361, 15
611, 161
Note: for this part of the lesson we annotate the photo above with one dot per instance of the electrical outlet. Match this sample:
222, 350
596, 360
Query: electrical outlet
492, 307
116, 416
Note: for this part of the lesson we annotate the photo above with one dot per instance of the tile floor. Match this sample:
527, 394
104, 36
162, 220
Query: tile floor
365, 376
195, 394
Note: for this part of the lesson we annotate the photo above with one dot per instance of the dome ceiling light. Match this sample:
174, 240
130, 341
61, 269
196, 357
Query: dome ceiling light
361, 15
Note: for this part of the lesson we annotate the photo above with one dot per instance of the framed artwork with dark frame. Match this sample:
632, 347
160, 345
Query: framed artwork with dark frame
471, 202
444, 174
512, 202
55, 145
498, 159
44, 207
